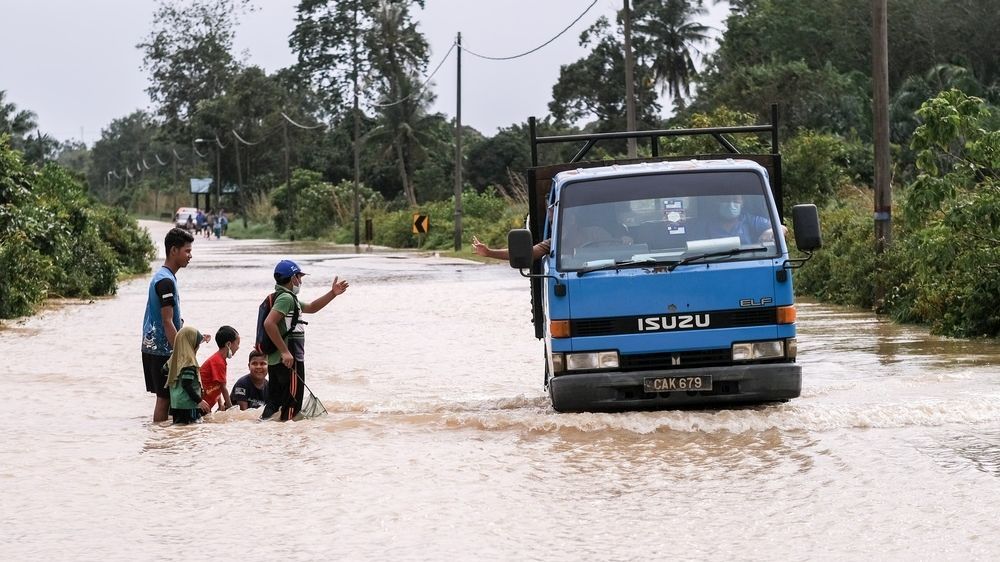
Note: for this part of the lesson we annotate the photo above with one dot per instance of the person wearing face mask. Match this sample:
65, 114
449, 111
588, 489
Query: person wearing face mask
286, 365
213, 370
730, 220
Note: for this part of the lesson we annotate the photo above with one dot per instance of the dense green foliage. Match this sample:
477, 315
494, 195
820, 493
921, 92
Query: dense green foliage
944, 267
56, 241
284, 142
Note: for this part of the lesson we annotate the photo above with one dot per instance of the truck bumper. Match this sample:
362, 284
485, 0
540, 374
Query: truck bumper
617, 391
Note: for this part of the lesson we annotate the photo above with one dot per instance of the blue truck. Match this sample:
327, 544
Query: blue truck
664, 281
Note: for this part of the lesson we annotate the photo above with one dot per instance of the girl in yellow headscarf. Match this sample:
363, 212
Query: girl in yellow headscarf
183, 379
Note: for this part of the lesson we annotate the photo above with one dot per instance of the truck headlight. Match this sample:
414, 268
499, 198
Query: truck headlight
758, 350
592, 360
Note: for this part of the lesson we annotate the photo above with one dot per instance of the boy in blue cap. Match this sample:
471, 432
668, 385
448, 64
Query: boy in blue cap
286, 366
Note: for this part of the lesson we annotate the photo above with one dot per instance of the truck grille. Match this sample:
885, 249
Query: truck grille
677, 360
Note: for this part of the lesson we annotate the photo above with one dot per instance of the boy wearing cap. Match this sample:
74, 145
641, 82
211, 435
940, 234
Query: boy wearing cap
286, 366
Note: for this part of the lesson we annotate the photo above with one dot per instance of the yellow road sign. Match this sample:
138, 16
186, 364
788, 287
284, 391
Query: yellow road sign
421, 223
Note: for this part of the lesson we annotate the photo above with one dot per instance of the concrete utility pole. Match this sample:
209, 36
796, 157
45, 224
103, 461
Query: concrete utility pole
458, 150
880, 101
629, 80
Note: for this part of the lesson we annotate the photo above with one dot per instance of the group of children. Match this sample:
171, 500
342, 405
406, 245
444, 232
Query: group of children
195, 391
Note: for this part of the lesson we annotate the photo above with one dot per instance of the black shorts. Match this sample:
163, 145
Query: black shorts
156, 375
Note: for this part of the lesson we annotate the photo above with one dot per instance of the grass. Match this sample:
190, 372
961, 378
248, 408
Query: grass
254, 231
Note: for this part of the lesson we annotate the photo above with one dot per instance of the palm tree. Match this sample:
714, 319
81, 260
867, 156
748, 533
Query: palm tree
399, 54
667, 34
16, 123
917, 89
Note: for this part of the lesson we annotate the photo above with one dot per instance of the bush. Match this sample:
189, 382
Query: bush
55, 240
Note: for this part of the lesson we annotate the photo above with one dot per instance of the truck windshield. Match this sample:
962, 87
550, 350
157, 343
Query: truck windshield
663, 219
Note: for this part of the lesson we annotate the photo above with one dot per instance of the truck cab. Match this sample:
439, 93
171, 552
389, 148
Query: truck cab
667, 281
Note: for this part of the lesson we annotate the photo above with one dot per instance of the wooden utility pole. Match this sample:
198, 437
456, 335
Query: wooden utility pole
880, 101
458, 150
288, 181
357, 133
629, 80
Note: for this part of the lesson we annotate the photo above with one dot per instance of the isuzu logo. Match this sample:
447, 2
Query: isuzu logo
674, 322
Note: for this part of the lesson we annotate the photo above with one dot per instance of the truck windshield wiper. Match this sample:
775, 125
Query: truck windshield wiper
617, 264
726, 253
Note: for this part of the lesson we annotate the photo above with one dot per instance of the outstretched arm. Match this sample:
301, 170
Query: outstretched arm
336, 288
537, 251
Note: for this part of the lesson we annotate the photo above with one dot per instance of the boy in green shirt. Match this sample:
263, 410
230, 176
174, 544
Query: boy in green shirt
286, 366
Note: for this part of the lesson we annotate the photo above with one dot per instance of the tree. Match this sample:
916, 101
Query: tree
398, 54
345, 45
327, 40
18, 124
15, 122
188, 55
594, 86
667, 34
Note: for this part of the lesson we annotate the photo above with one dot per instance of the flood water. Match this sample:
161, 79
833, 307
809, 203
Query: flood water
441, 445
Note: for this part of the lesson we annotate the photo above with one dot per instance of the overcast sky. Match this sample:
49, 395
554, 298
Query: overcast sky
74, 62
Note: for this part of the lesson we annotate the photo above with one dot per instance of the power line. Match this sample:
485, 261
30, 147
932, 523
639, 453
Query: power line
578, 18
289, 119
246, 142
423, 85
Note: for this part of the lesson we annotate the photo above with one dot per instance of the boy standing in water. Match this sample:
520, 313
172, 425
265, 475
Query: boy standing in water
162, 319
286, 366
186, 402
213, 370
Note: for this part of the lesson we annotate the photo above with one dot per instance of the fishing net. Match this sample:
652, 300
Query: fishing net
312, 407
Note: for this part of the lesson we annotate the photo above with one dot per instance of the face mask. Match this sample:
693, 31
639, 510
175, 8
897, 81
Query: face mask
730, 209
229, 352
295, 289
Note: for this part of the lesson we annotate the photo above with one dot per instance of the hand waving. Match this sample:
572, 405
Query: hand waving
338, 287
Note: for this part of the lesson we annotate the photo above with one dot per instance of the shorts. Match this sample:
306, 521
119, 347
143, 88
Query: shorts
156, 375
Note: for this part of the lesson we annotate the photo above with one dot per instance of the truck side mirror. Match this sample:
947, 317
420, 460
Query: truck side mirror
520, 248
807, 233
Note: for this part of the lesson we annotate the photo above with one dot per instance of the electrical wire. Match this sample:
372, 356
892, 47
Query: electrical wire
194, 146
289, 119
422, 85
158, 159
511, 57
248, 143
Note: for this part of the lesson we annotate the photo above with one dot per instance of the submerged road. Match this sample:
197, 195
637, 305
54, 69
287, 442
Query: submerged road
440, 443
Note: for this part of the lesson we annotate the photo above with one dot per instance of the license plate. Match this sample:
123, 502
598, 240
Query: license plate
670, 384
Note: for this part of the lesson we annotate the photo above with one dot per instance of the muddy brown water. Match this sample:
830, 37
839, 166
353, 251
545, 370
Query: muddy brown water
441, 445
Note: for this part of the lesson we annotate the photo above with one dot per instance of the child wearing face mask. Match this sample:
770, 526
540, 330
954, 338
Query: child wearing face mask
213, 370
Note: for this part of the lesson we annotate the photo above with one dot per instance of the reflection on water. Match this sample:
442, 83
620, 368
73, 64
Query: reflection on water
440, 443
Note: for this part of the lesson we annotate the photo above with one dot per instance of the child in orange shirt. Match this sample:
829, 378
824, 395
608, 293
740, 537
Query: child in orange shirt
213, 370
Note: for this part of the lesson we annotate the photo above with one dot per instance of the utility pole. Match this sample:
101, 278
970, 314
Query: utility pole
880, 100
218, 174
458, 149
288, 181
357, 134
239, 179
629, 81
